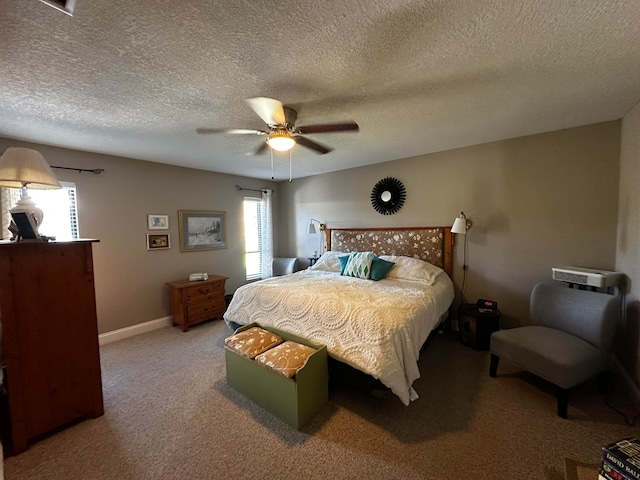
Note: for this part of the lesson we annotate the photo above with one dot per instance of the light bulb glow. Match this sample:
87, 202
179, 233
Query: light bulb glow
281, 142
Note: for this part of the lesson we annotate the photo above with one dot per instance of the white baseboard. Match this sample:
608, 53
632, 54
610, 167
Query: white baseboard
133, 330
628, 384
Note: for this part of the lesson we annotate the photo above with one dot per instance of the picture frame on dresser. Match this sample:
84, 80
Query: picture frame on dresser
157, 222
158, 241
201, 230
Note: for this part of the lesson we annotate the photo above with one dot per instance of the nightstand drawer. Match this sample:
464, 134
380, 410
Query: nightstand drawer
205, 310
203, 292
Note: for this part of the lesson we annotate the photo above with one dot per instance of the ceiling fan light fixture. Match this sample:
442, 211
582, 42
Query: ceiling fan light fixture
281, 142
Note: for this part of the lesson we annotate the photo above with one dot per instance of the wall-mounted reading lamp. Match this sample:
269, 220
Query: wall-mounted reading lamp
311, 229
460, 226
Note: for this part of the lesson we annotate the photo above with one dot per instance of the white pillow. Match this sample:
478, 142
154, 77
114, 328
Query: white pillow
328, 262
409, 268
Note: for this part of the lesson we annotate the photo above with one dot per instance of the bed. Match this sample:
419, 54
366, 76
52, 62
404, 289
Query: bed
377, 327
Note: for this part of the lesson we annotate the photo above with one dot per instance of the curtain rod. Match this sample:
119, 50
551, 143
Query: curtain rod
80, 170
239, 188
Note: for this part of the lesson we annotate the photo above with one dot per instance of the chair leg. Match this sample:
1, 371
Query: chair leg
493, 368
563, 402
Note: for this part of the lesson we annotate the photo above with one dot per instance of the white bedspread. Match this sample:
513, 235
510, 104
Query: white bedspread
376, 327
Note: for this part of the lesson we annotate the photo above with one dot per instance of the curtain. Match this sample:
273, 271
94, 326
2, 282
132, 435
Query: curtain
266, 230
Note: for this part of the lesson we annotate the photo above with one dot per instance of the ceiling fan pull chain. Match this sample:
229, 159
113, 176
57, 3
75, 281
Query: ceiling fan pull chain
289, 166
271, 150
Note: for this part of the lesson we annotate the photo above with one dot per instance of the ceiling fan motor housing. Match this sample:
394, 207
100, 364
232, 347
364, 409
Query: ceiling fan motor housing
290, 116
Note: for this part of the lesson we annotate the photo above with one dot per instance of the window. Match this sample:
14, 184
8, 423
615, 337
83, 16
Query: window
253, 238
258, 235
58, 205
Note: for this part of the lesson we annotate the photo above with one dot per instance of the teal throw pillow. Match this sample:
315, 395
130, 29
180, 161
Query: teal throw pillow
380, 268
359, 265
343, 259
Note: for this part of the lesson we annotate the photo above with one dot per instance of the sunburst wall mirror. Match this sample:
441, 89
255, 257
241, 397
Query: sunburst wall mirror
388, 196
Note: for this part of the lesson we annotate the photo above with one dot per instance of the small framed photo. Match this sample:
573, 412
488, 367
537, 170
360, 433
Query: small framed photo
201, 230
158, 222
158, 241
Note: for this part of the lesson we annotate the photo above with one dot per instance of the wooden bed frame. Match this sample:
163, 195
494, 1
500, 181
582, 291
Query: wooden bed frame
432, 244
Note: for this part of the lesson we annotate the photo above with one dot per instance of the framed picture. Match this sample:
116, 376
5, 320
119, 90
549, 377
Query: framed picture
158, 222
26, 223
201, 230
158, 241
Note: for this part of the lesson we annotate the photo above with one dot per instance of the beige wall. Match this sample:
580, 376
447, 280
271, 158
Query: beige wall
536, 202
628, 247
113, 208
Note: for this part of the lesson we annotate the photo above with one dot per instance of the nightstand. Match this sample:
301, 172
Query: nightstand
477, 326
198, 301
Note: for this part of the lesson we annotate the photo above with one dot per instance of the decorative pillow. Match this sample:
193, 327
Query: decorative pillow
380, 268
409, 268
343, 259
287, 358
328, 262
359, 265
252, 341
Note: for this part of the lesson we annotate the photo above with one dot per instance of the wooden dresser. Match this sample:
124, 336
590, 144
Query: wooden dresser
49, 338
195, 302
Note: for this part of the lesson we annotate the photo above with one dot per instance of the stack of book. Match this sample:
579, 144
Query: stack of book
621, 460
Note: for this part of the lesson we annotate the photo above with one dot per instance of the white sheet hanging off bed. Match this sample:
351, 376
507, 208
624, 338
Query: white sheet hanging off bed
376, 327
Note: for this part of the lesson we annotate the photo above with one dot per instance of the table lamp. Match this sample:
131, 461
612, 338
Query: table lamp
26, 168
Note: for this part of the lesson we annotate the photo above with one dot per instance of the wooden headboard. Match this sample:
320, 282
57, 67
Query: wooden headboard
432, 244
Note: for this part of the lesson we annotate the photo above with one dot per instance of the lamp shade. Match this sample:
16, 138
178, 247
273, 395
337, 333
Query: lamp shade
26, 167
311, 229
281, 142
461, 224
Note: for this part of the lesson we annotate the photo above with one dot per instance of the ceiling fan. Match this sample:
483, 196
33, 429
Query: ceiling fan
282, 133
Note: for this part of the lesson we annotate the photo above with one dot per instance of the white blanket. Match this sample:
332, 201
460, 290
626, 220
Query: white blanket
376, 327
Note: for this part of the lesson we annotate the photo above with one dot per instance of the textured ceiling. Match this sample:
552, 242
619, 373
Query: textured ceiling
135, 78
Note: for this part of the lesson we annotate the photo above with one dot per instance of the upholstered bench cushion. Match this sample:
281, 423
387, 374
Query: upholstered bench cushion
562, 359
252, 341
286, 358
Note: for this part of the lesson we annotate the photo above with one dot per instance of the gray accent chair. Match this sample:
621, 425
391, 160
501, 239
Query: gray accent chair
284, 266
568, 342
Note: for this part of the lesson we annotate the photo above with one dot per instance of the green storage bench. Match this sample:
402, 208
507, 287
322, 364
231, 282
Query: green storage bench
295, 393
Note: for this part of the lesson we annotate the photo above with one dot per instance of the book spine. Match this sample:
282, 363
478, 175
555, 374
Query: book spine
624, 456
611, 472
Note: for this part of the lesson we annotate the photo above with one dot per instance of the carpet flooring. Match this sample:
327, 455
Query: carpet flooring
169, 414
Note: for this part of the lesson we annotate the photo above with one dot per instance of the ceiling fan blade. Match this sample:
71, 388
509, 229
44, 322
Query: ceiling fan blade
305, 142
269, 110
261, 149
331, 127
237, 131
